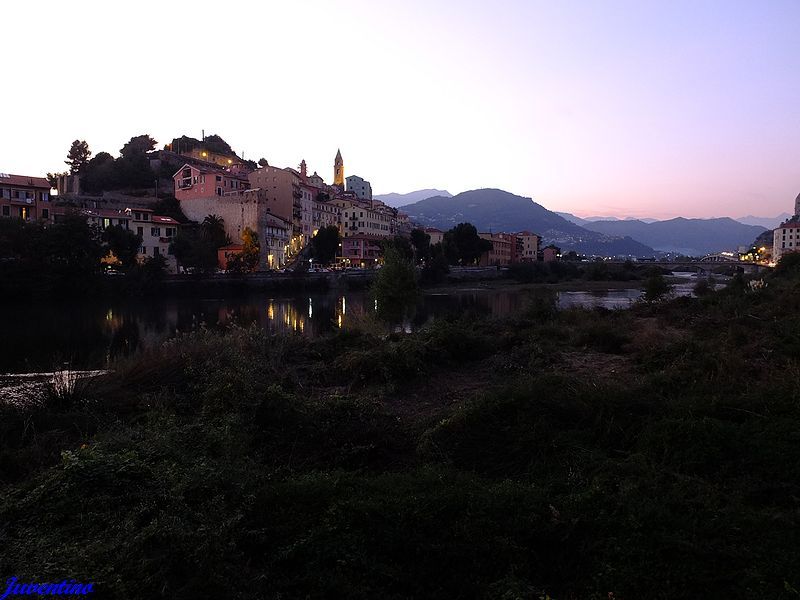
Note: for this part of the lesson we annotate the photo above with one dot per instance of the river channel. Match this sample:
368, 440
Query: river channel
42, 337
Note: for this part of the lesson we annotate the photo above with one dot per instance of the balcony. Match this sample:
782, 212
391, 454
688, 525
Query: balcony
184, 184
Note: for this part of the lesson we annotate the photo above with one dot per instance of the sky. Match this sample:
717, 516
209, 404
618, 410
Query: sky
612, 108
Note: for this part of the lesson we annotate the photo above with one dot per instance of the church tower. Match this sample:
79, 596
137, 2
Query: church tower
797, 205
338, 170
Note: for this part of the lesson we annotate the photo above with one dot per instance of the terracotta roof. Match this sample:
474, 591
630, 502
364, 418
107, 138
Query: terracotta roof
25, 180
164, 220
790, 225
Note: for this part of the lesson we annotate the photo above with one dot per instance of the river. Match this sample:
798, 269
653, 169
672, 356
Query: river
41, 338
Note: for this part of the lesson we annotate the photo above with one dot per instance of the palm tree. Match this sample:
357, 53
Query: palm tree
213, 227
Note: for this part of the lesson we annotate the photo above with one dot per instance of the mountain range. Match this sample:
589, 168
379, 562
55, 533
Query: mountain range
766, 222
497, 210
395, 200
695, 237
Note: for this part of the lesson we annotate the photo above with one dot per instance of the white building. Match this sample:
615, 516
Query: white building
785, 239
359, 218
157, 233
276, 234
360, 187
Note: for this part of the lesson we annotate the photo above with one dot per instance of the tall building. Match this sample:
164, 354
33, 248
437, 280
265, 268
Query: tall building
338, 170
360, 187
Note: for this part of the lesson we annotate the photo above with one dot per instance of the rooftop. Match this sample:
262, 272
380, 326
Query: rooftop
26, 180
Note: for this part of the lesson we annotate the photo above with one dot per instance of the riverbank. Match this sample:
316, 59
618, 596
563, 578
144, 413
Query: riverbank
571, 453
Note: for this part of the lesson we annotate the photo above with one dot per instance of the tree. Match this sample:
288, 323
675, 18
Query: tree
422, 244
100, 173
213, 230
325, 244
170, 207
656, 287
52, 179
78, 156
214, 143
246, 260
463, 245
395, 288
138, 145
262, 162
124, 244
436, 266
193, 250
402, 245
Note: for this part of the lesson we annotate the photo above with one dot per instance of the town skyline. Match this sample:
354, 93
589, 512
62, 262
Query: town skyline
626, 111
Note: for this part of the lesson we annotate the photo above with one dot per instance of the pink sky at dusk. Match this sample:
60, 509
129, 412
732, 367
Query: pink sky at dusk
619, 108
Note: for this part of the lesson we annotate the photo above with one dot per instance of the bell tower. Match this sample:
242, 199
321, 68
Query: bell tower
338, 170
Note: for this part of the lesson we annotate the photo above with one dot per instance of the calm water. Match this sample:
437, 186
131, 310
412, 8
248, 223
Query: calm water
41, 338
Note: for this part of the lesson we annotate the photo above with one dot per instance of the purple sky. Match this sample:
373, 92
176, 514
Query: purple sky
596, 108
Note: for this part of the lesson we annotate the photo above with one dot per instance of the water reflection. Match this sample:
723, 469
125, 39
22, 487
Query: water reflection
89, 336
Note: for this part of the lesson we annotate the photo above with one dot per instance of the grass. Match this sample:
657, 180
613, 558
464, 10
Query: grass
650, 453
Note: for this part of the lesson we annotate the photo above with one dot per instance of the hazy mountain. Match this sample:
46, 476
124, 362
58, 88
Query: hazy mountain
572, 218
496, 210
396, 200
766, 222
582, 221
695, 237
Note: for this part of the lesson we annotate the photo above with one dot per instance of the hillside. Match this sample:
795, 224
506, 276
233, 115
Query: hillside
497, 210
396, 200
695, 237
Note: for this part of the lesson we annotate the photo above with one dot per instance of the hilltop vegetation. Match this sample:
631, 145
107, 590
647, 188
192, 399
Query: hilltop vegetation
650, 453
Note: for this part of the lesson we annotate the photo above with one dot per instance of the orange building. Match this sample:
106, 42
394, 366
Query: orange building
500, 254
24, 197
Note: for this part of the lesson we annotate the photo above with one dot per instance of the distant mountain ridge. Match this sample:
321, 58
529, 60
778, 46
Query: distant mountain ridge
497, 210
767, 222
395, 200
695, 237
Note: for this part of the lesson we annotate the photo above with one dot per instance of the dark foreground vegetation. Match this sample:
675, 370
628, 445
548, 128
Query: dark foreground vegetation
644, 454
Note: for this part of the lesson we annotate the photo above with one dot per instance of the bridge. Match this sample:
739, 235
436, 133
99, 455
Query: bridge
712, 264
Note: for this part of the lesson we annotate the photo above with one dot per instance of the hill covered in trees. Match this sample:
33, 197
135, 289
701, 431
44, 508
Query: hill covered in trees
497, 210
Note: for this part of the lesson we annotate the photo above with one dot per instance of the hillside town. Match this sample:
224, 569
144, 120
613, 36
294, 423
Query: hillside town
278, 210
284, 207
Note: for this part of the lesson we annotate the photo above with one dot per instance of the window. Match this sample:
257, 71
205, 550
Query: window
219, 178
6, 211
140, 231
156, 251
155, 231
143, 250
45, 213
170, 231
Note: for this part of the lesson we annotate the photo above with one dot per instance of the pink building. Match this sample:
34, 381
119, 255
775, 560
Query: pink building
192, 182
550, 253
361, 250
